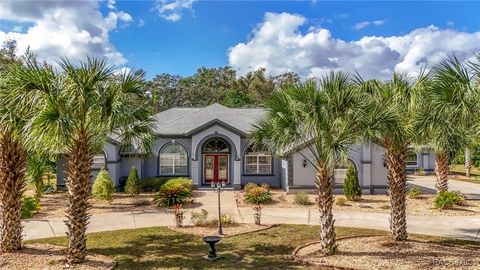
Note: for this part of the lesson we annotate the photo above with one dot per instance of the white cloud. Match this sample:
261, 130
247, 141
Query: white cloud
378, 22
278, 45
361, 25
172, 10
70, 29
450, 23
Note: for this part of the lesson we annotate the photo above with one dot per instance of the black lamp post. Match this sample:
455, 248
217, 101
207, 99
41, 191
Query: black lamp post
217, 187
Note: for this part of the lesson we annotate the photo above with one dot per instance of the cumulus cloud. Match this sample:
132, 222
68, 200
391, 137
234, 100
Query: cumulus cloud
70, 29
172, 10
278, 45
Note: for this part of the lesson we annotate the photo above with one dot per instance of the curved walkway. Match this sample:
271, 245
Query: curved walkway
461, 227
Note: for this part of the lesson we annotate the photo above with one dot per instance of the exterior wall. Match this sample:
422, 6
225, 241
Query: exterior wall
112, 166
369, 161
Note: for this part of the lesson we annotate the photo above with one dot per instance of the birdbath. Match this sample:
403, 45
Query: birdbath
211, 241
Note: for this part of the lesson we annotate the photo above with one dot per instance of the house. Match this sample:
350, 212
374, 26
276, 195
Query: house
212, 144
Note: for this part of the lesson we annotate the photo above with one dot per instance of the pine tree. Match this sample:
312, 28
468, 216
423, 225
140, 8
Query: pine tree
351, 187
131, 187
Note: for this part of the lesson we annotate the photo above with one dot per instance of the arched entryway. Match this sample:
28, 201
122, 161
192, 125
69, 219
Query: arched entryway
216, 161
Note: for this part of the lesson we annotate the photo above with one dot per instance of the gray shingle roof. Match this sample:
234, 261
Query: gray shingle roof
182, 121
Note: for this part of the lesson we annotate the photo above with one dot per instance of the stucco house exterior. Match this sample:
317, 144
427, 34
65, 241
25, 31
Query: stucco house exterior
212, 144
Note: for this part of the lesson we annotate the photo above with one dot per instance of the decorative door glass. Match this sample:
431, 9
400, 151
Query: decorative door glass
222, 168
209, 168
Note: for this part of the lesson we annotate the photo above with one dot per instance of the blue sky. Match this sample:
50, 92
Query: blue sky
202, 33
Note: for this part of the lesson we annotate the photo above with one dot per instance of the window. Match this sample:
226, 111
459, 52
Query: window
173, 159
258, 161
412, 159
216, 146
99, 161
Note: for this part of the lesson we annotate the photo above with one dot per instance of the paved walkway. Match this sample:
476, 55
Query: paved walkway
427, 184
462, 227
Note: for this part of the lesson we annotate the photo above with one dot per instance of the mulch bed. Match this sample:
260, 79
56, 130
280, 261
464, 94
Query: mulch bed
228, 231
50, 257
378, 252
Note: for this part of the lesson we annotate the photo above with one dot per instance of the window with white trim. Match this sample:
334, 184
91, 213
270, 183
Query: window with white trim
173, 159
257, 161
412, 159
99, 161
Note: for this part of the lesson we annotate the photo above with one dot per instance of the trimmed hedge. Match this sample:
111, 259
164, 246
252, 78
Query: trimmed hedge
153, 183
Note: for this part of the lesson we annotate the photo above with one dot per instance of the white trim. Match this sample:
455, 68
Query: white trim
245, 164
411, 165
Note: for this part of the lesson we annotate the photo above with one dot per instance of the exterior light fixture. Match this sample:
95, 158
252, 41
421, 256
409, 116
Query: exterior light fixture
304, 163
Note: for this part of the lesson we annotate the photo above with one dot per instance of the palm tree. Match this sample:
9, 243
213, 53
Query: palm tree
391, 128
448, 122
468, 161
325, 120
78, 108
12, 168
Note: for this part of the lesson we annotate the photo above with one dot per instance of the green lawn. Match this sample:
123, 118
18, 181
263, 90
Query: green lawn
159, 247
460, 170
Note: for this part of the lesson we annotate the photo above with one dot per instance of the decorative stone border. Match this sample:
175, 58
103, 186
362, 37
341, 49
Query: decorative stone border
267, 227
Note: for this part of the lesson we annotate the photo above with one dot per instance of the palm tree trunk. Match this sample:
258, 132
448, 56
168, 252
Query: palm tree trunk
442, 162
324, 184
77, 170
468, 161
12, 186
397, 181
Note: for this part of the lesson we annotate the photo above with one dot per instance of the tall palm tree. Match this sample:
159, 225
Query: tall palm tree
325, 120
468, 161
449, 120
78, 108
12, 167
396, 101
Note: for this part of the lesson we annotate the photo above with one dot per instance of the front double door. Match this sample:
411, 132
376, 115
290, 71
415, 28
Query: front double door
215, 168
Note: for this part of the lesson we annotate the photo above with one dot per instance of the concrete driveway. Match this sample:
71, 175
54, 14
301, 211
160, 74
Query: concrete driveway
427, 184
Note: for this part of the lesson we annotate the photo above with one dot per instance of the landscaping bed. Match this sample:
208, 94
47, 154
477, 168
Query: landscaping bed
50, 257
53, 205
423, 205
377, 252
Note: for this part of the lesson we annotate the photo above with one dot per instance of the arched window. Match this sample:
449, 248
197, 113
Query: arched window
99, 161
257, 161
173, 159
216, 145
412, 159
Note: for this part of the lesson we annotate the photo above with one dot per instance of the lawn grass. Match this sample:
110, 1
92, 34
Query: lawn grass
460, 170
160, 247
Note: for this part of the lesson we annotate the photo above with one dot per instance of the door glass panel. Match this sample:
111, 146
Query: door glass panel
222, 167
209, 175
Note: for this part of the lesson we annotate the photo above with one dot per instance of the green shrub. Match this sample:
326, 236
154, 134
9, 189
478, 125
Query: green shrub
174, 191
301, 198
199, 218
258, 195
131, 187
415, 192
420, 172
447, 199
152, 183
351, 187
103, 188
341, 201
249, 186
30, 205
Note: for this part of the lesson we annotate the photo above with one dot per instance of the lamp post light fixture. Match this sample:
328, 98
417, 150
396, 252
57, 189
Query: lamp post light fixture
217, 188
